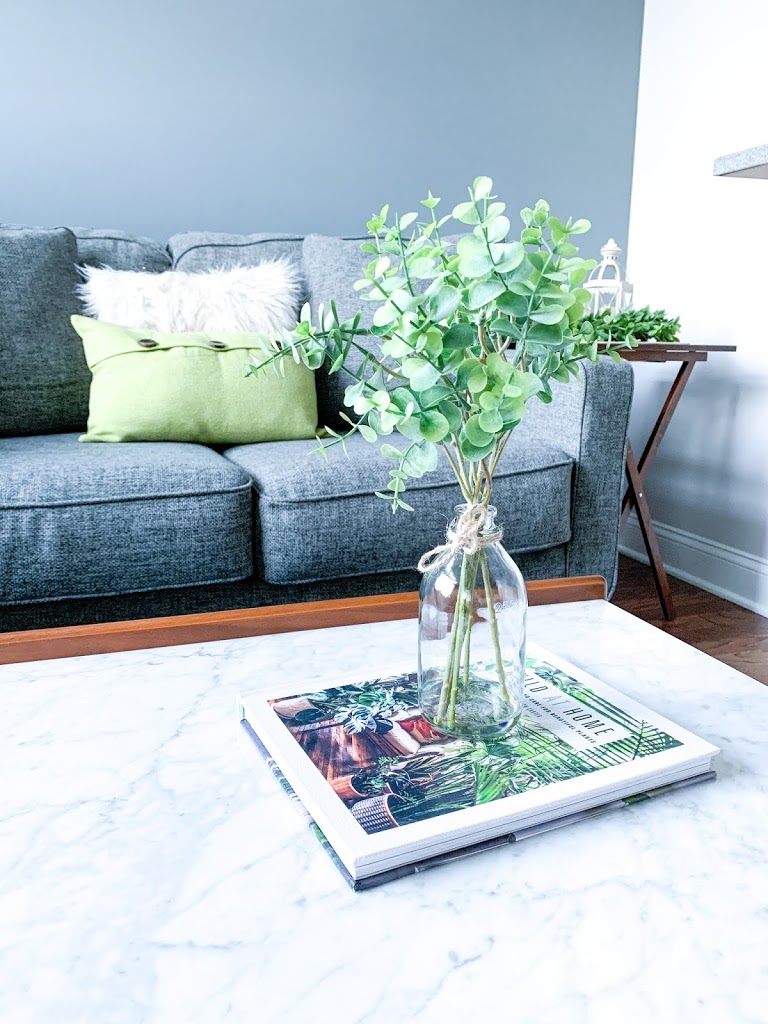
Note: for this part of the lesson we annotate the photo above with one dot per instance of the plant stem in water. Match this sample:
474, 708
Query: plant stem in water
452, 667
459, 655
494, 624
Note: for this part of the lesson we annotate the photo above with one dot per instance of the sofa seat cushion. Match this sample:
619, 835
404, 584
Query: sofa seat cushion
320, 519
80, 520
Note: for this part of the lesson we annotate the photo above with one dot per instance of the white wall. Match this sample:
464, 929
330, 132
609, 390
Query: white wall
698, 247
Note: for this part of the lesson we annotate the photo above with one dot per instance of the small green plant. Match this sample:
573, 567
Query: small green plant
464, 335
634, 325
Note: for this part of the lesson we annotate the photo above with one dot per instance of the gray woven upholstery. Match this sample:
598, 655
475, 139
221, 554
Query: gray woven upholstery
320, 519
206, 250
120, 250
589, 419
248, 593
90, 519
331, 267
44, 379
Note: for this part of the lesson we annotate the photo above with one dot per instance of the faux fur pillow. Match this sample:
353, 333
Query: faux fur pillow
258, 300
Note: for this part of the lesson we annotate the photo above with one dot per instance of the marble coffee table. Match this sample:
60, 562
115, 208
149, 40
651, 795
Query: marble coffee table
152, 871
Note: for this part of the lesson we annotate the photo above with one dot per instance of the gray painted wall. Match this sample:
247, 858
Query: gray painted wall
240, 115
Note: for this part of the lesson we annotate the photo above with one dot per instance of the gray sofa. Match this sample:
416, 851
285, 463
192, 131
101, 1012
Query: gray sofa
96, 532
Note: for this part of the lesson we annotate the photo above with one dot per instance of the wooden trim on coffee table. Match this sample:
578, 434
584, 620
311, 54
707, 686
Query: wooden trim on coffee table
139, 634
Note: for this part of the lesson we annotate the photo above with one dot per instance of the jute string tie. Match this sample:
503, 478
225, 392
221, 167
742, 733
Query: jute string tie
464, 534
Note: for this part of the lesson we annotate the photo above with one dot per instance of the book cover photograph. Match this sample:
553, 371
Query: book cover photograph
391, 768
387, 793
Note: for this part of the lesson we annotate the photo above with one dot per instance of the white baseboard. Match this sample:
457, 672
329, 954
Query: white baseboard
722, 570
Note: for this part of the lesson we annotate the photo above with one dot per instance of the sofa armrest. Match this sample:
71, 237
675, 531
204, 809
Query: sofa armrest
588, 419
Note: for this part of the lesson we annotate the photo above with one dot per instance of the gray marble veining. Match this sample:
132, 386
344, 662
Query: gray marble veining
152, 871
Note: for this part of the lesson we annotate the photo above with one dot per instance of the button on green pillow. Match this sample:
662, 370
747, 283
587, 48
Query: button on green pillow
150, 386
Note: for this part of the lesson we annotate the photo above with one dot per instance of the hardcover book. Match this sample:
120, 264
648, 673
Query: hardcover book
389, 795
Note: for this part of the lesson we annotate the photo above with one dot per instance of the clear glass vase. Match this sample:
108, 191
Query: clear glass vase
472, 620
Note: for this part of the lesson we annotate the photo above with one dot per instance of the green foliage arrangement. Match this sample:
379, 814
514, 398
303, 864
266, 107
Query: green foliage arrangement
635, 325
464, 335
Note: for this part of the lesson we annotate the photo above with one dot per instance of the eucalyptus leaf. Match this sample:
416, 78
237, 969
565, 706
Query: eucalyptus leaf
498, 229
475, 433
434, 396
410, 428
472, 245
433, 425
471, 375
491, 421
566, 248
513, 304
420, 373
385, 315
482, 187
367, 432
548, 315
420, 458
505, 328
445, 303
466, 213
488, 400
508, 256
473, 452
483, 292
452, 414
460, 335
475, 265
422, 267
547, 334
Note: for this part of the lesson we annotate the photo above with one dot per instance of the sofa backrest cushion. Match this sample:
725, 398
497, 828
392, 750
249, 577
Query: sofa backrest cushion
44, 378
120, 250
209, 250
331, 267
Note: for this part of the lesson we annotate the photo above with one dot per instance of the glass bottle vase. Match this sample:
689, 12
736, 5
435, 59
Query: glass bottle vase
472, 622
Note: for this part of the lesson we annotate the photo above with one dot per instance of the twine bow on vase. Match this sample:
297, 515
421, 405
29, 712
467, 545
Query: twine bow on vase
464, 534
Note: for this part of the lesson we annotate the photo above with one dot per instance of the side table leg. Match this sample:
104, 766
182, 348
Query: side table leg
659, 429
636, 497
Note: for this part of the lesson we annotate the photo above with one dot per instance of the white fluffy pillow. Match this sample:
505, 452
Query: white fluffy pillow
259, 299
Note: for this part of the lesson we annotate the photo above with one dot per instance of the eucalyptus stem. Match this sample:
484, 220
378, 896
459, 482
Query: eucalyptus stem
451, 668
463, 638
460, 645
466, 646
493, 622
458, 471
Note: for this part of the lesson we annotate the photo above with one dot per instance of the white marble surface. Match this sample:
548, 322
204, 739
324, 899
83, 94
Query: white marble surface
151, 869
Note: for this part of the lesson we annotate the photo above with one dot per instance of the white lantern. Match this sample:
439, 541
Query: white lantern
609, 290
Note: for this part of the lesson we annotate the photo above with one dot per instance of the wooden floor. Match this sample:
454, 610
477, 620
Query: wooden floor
725, 631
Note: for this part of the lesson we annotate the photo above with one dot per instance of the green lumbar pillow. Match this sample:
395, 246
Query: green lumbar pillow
150, 386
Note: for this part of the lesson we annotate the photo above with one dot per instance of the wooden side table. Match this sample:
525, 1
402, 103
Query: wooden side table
637, 471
